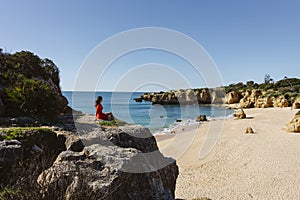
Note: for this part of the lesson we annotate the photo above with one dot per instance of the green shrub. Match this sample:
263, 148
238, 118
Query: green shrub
108, 123
31, 98
7, 193
26, 80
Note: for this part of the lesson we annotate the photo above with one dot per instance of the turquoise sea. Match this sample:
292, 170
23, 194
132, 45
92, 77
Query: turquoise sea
156, 117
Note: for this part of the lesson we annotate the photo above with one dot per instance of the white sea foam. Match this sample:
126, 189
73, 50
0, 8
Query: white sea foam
186, 125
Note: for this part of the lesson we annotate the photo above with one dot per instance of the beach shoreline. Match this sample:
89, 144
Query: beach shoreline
262, 165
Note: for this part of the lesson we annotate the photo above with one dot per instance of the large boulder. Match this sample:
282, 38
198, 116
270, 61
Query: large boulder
240, 114
117, 163
100, 172
294, 124
281, 102
232, 97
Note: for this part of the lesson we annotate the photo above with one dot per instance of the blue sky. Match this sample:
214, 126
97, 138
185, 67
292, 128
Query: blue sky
246, 39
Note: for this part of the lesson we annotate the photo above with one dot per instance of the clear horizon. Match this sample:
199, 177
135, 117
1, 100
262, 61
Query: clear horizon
246, 40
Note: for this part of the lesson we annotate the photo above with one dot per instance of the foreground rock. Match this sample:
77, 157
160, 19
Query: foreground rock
114, 163
294, 124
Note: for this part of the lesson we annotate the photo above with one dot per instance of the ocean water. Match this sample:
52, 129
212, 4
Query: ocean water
158, 118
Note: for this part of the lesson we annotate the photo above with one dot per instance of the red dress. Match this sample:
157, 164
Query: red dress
99, 113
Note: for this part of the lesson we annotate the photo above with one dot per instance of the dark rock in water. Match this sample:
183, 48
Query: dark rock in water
138, 99
201, 118
178, 120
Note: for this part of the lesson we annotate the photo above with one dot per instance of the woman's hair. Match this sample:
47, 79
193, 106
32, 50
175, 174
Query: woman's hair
98, 101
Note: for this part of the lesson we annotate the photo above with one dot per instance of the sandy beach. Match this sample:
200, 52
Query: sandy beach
263, 165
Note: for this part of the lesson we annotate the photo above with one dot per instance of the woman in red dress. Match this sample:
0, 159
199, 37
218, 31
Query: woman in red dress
99, 108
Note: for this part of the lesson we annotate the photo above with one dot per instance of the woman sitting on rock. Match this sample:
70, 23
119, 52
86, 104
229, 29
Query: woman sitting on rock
99, 108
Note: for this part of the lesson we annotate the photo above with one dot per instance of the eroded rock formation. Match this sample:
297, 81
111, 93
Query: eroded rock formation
111, 163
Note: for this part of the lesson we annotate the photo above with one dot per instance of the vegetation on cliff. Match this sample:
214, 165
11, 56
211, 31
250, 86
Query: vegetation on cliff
29, 86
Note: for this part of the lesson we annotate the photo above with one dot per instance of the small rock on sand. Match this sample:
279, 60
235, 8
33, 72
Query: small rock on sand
249, 130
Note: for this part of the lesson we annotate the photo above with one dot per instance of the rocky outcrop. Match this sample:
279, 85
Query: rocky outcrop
263, 102
111, 163
232, 97
250, 98
254, 98
124, 162
26, 156
281, 102
296, 104
294, 124
183, 97
203, 96
217, 96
